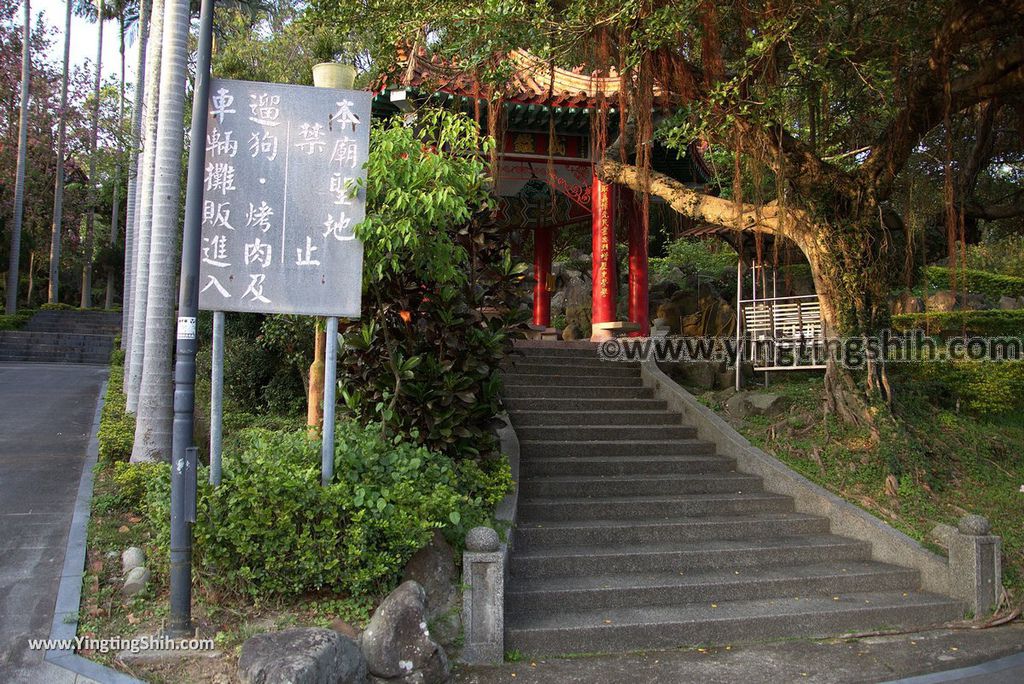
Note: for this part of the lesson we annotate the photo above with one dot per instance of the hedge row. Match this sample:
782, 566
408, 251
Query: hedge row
987, 323
981, 282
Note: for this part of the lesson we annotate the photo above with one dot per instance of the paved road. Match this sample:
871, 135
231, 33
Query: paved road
46, 414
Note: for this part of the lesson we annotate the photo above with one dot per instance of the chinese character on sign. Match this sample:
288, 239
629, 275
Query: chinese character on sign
215, 284
338, 229
312, 138
259, 217
344, 114
265, 144
221, 145
220, 176
221, 101
345, 153
215, 252
266, 109
341, 188
259, 253
256, 288
307, 258
217, 214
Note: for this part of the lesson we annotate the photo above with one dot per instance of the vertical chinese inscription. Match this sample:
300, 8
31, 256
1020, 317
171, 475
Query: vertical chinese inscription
282, 195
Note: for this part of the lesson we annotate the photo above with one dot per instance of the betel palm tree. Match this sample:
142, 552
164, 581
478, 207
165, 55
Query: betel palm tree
19, 179
144, 208
154, 417
90, 216
58, 181
130, 224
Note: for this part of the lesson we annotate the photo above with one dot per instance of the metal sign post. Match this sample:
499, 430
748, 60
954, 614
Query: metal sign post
330, 387
216, 397
183, 454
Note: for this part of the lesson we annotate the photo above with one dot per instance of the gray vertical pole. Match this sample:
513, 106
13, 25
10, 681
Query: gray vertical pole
183, 453
739, 320
217, 397
330, 385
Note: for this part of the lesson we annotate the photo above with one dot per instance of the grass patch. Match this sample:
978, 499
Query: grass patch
936, 466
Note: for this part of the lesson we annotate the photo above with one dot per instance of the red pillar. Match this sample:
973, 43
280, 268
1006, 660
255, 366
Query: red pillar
603, 238
542, 239
638, 286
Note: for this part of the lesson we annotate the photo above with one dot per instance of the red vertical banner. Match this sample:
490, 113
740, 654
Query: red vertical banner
638, 285
603, 238
542, 246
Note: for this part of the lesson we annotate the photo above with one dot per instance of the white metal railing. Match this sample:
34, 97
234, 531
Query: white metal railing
783, 326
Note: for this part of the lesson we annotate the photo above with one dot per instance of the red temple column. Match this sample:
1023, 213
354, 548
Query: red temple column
542, 239
603, 239
638, 286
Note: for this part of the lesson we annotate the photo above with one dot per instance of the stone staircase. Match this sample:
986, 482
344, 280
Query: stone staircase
62, 336
633, 535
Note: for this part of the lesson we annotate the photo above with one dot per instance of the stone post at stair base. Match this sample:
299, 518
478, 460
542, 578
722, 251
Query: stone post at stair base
483, 599
975, 563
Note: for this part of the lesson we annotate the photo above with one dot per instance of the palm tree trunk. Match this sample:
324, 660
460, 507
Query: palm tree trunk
131, 220
90, 217
144, 211
58, 183
19, 181
153, 424
115, 204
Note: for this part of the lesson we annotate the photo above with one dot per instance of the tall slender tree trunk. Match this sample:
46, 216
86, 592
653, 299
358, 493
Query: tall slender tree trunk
115, 204
131, 219
153, 424
19, 180
90, 217
58, 182
144, 211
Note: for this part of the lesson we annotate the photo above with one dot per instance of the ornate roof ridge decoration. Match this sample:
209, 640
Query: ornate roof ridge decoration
534, 81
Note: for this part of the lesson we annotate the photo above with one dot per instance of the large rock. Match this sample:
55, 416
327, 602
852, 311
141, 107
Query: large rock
1009, 302
433, 567
745, 404
698, 374
133, 557
301, 656
976, 302
558, 303
943, 300
907, 303
397, 644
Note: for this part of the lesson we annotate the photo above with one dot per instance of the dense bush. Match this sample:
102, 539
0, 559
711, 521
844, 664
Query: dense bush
1004, 256
14, 321
990, 323
692, 257
987, 388
991, 285
117, 429
271, 529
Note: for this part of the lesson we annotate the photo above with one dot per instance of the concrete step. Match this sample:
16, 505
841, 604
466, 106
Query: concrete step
661, 627
593, 433
517, 391
75, 329
524, 419
707, 586
582, 350
530, 536
631, 448
589, 361
637, 485
21, 358
573, 370
526, 403
596, 380
538, 466
53, 338
661, 557
83, 346
650, 507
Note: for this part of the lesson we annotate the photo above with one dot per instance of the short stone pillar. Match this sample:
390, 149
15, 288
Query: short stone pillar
975, 564
483, 598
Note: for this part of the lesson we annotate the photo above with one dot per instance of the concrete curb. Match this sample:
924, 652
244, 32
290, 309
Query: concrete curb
993, 667
69, 593
887, 544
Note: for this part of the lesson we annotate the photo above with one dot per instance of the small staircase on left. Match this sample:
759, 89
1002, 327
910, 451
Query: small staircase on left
62, 336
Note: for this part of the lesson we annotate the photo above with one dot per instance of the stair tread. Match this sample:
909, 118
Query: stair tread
623, 442
794, 607
682, 520
658, 498
703, 577
584, 479
751, 545
627, 459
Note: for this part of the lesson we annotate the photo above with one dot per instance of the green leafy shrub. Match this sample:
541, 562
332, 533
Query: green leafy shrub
132, 480
271, 529
14, 321
988, 323
991, 285
985, 388
1004, 256
116, 436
